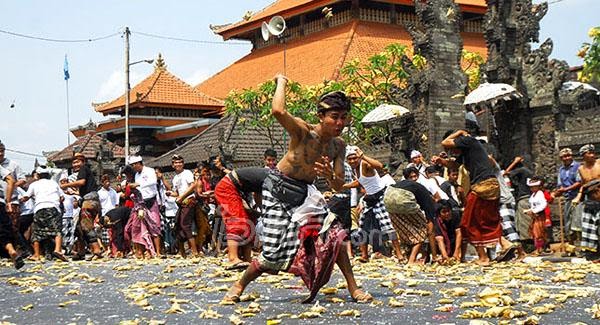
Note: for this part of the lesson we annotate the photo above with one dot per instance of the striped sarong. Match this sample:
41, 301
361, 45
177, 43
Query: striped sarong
375, 207
507, 213
590, 222
68, 233
280, 233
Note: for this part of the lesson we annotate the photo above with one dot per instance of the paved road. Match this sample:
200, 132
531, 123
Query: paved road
112, 291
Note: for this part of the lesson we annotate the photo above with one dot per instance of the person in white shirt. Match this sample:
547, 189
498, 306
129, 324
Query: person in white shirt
25, 221
68, 226
416, 160
182, 181
47, 218
145, 181
537, 204
432, 181
108, 196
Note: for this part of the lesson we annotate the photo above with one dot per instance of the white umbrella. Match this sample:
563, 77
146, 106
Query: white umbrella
488, 92
384, 113
572, 85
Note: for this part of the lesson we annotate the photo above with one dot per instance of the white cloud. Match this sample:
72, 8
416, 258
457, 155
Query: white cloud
114, 86
197, 77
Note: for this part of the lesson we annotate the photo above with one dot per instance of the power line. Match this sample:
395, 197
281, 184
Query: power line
24, 153
57, 40
172, 38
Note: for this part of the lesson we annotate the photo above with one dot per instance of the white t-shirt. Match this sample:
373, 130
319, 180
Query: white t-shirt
146, 179
183, 181
108, 199
45, 193
27, 206
16, 172
387, 180
171, 206
68, 205
432, 187
3, 173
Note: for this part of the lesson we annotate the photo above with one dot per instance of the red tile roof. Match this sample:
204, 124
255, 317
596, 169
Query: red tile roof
316, 57
162, 89
89, 145
291, 8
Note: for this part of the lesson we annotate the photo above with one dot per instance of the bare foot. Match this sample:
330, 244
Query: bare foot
360, 296
233, 295
481, 262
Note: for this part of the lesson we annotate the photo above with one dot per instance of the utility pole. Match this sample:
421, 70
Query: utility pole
127, 32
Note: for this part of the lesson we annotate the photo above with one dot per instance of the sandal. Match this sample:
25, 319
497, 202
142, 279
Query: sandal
94, 257
362, 259
360, 296
506, 255
60, 256
237, 266
18, 261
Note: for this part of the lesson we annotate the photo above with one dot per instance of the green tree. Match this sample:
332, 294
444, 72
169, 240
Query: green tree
378, 80
471, 61
590, 52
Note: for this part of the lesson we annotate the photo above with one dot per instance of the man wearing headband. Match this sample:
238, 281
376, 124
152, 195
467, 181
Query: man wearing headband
90, 208
311, 150
567, 185
587, 172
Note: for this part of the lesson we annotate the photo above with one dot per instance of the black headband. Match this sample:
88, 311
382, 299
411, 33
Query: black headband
334, 100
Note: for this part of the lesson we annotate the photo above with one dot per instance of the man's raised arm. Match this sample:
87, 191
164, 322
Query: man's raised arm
287, 120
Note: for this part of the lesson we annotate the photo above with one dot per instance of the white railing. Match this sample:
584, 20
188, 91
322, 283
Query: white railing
375, 15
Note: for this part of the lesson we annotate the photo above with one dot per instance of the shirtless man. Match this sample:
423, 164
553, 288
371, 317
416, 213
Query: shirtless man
311, 149
588, 171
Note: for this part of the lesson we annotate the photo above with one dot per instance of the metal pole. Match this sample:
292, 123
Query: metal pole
126, 93
68, 118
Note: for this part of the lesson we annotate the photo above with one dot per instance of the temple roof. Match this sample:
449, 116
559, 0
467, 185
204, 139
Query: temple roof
316, 57
88, 145
162, 89
247, 143
291, 8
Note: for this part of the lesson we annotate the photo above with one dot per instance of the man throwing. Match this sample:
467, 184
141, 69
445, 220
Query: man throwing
311, 149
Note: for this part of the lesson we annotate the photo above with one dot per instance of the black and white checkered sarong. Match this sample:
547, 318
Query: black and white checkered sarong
373, 205
590, 221
68, 233
507, 213
280, 233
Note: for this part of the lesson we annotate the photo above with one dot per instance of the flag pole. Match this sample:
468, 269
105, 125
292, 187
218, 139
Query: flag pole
68, 118
67, 76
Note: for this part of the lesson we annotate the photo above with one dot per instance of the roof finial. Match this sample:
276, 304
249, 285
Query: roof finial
160, 63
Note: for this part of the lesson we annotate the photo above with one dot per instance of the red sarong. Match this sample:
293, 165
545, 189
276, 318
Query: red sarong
480, 223
239, 225
316, 257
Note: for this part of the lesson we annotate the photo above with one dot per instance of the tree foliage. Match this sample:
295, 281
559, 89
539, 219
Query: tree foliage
370, 83
471, 61
590, 52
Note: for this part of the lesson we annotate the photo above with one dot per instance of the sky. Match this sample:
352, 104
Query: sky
31, 71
